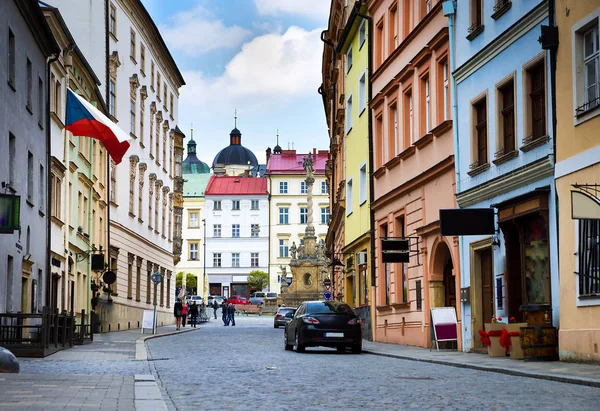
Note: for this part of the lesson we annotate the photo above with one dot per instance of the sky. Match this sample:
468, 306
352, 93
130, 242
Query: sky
259, 57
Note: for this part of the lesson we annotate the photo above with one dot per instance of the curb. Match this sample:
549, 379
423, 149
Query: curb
141, 354
568, 380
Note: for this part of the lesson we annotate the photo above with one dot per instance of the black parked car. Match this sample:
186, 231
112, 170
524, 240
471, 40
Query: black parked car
283, 316
324, 324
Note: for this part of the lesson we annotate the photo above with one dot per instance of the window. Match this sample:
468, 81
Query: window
348, 59
30, 176
586, 54
152, 75
254, 204
507, 117
157, 85
11, 158
217, 260
142, 58
362, 194
40, 102
348, 114
283, 248
41, 187
254, 230
217, 230
235, 259
178, 162
56, 97
324, 215
112, 99
393, 28
476, 15
283, 187
589, 258
446, 93
253, 259
324, 188
408, 115
56, 193
283, 215
303, 187
193, 251
11, 57
362, 33
235, 230
407, 17
349, 197
235, 204
217, 205
303, 215
427, 6
392, 136
427, 102
362, 93
165, 92
481, 154
537, 102
379, 44
132, 116
112, 28
194, 223
132, 45
29, 84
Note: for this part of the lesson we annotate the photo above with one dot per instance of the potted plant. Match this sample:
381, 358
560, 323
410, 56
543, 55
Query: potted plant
491, 337
514, 330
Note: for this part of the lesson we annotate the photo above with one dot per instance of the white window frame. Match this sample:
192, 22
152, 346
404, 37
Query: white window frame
324, 188
283, 187
446, 90
349, 59
324, 213
362, 93
348, 114
252, 232
349, 194
578, 66
235, 259
216, 230
303, 187
362, 192
254, 260
194, 223
362, 33
193, 251
235, 205
305, 214
284, 248
427, 106
235, 230
217, 260
411, 124
285, 214
217, 205
254, 204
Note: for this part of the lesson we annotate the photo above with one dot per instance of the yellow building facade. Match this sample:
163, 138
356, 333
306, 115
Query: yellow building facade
357, 285
577, 176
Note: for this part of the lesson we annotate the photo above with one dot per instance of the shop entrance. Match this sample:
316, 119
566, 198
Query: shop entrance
481, 289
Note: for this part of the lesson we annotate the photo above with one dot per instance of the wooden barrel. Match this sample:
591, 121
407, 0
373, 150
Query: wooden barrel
537, 314
539, 343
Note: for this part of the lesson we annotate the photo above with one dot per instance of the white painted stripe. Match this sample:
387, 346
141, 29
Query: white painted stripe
577, 162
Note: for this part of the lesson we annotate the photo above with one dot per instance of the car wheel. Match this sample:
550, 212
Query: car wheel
357, 348
299, 347
287, 346
340, 349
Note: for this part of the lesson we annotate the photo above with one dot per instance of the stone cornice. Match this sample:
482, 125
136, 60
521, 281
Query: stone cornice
520, 177
502, 41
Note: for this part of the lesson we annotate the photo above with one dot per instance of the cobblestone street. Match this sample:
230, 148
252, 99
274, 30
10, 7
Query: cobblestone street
224, 368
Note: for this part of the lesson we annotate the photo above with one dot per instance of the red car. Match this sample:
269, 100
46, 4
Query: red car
238, 299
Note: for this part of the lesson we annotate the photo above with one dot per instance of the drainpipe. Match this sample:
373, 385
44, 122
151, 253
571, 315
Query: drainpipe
48, 184
449, 10
107, 99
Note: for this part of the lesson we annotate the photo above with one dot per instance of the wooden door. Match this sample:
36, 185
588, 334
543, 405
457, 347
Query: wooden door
487, 285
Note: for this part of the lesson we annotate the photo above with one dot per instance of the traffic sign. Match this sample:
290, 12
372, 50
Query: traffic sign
327, 288
327, 295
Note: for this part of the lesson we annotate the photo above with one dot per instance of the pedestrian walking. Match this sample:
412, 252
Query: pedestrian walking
193, 314
224, 312
178, 312
231, 314
215, 307
184, 314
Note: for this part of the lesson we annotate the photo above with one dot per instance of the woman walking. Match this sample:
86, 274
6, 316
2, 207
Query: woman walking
184, 314
178, 312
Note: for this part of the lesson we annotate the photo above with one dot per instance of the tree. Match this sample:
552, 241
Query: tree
258, 280
191, 282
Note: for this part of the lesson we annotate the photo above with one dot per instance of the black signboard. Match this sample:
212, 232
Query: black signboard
467, 221
10, 211
97, 262
395, 257
394, 244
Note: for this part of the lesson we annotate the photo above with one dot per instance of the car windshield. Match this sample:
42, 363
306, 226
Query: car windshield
271, 295
328, 307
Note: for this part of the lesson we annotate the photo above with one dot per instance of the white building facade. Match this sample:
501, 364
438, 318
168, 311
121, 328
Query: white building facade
289, 206
237, 233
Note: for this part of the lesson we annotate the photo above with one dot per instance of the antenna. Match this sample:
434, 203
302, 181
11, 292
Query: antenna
192, 131
235, 118
277, 136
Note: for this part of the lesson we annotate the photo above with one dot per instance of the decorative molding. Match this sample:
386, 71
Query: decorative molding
113, 64
424, 141
134, 84
523, 176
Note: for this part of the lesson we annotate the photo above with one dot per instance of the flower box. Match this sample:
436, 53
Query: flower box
516, 353
495, 349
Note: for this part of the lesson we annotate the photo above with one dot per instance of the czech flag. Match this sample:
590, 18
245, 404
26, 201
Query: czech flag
85, 120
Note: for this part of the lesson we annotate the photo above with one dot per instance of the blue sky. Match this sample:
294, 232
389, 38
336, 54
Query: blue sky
261, 57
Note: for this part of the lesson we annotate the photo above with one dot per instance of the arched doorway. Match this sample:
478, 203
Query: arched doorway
443, 282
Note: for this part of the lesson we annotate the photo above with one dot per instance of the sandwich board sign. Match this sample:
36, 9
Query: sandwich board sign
148, 320
443, 324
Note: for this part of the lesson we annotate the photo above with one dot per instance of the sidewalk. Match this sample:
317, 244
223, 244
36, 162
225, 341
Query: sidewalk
582, 374
111, 373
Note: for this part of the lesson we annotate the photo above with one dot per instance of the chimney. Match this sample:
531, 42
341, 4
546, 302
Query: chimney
268, 154
247, 173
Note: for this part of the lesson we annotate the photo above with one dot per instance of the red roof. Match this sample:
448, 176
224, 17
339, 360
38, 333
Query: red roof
225, 185
288, 162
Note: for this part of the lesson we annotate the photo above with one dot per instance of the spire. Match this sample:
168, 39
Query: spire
191, 146
192, 131
277, 148
235, 118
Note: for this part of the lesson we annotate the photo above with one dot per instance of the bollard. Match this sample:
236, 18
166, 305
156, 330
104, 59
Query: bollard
8, 362
129, 325
108, 327
118, 326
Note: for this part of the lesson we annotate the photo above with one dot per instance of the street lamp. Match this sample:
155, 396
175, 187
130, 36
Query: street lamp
204, 259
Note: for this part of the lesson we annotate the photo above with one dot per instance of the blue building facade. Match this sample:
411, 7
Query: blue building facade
504, 160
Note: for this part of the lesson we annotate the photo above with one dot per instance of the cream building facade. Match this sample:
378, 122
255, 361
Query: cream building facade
288, 214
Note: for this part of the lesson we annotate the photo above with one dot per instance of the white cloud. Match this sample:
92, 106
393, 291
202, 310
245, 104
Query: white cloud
316, 9
197, 31
270, 68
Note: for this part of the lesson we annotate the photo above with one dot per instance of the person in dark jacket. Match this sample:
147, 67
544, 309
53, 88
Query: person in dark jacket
193, 314
178, 313
224, 312
231, 314
215, 306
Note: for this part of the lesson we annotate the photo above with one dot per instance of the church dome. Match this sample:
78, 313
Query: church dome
192, 164
235, 153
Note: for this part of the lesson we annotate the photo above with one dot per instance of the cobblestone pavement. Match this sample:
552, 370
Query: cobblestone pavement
224, 368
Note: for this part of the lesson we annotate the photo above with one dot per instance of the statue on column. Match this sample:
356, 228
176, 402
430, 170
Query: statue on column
308, 166
293, 250
284, 284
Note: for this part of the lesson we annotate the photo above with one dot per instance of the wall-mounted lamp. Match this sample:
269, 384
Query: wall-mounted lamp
496, 241
26, 257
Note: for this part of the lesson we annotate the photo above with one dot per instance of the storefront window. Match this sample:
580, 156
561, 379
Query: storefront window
537, 261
